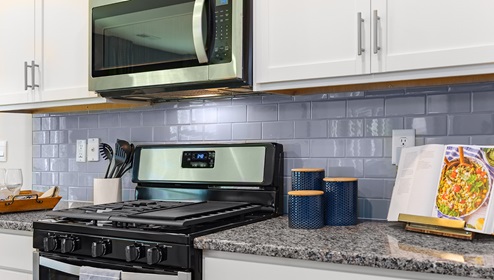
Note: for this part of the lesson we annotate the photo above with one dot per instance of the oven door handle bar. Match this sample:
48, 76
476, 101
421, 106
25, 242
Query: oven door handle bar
75, 270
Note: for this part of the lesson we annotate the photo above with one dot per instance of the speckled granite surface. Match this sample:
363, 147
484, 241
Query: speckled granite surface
373, 244
24, 220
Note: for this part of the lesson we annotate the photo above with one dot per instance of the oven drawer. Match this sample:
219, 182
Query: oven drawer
58, 268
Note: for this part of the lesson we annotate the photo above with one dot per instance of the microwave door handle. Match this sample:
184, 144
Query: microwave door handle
197, 31
59, 266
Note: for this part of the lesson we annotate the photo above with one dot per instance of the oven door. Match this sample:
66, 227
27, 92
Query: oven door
63, 268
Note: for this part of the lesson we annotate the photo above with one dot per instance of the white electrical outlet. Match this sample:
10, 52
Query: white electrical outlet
402, 138
80, 153
93, 149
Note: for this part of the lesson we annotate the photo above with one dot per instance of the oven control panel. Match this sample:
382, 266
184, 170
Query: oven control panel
198, 159
125, 250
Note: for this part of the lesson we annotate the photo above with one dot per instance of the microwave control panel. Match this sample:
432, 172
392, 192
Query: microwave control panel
222, 49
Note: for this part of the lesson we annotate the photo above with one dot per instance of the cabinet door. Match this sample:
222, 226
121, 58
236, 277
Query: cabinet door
17, 47
419, 34
300, 40
62, 50
14, 275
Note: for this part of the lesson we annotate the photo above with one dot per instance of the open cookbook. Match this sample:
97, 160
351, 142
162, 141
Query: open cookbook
446, 181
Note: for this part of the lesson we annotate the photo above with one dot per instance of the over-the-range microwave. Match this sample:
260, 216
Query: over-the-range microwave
157, 50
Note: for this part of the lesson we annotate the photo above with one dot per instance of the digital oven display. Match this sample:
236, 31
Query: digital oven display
221, 2
198, 159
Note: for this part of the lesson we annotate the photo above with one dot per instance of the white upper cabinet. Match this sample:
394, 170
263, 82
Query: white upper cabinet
16, 49
310, 39
422, 34
44, 57
335, 42
62, 50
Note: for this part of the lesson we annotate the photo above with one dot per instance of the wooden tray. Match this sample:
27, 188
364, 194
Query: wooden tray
19, 203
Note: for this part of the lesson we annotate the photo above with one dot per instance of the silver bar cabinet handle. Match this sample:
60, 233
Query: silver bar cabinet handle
26, 86
33, 74
360, 21
377, 48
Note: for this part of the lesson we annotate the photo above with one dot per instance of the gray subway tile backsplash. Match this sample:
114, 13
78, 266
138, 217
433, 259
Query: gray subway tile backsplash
348, 134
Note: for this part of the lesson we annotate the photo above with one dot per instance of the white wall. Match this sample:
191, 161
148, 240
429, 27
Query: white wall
17, 130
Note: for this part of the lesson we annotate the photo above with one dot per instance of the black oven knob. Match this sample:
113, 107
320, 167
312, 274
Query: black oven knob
100, 248
50, 243
154, 255
134, 252
68, 245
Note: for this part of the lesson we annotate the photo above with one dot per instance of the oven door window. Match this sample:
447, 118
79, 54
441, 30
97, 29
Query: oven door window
147, 35
60, 268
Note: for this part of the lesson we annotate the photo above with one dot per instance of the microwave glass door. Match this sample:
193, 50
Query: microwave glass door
147, 35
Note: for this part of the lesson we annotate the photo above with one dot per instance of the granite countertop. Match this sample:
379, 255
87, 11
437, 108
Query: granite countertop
372, 244
24, 220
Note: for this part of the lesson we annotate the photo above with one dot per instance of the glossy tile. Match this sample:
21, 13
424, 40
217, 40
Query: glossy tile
328, 109
388, 188
41, 137
311, 129
374, 208
153, 118
276, 98
77, 134
483, 140
36, 151
118, 133
180, 116
59, 164
191, 132
327, 148
130, 119
294, 111
232, 114
448, 140
380, 127
88, 121
41, 164
166, 133
402, 106
100, 133
49, 178
365, 108
247, 131
371, 188
78, 193
68, 179
295, 148
49, 151
448, 103
310, 97
204, 115
220, 132
427, 126
59, 137
265, 112
481, 124
277, 130
50, 123
379, 168
483, 101
364, 147
36, 124
346, 128
141, 134
108, 120
345, 167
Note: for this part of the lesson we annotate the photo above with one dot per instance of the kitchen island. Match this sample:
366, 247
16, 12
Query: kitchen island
369, 250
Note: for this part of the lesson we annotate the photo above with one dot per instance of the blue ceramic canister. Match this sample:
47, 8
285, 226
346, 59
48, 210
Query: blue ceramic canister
340, 199
305, 209
307, 179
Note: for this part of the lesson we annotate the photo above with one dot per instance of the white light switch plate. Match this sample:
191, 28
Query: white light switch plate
3, 150
93, 149
80, 153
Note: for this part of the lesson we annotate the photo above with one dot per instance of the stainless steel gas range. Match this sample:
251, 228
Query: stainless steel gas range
183, 191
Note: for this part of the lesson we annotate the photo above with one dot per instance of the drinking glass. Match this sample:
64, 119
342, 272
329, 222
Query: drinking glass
13, 181
2, 178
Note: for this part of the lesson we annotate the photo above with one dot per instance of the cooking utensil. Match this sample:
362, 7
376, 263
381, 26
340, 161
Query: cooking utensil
128, 150
106, 153
128, 162
119, 159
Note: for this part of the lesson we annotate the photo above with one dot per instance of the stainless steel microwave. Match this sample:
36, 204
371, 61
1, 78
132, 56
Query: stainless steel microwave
156, 50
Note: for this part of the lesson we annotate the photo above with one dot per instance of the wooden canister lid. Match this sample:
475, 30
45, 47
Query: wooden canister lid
308, 169
305, 193
340, 179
